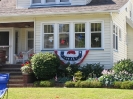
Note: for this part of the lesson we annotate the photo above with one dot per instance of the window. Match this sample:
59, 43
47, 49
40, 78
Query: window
49, 1
30, 39
80, 35
72, 35
96, 35
49, 36
36, 1
64, 0
63, 35
115, 37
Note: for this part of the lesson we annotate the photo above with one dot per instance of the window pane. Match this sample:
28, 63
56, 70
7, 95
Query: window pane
4, 38
30, 34
63, 40
63, 27
30, 44
95, 26
114, 41
95, 39
50, 0
36, 1
48, 40
48, 28
64, 0
80, 27
80, 40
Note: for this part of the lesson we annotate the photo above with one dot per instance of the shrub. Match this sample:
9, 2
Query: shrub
127, 85
92, 70
107, 79
36, 84
78, 76
46, 83
95, 84
117, 84
70, 84
45, 65
77, 84
125, 65
85, 84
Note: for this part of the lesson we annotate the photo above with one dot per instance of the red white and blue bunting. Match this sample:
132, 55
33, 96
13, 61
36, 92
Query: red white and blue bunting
71, 56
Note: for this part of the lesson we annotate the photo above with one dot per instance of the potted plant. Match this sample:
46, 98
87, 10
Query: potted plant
28, 76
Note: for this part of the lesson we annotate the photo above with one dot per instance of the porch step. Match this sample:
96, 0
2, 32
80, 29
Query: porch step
16, 78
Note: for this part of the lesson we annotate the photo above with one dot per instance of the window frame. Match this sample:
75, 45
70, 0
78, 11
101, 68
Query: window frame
43, 2
102, 35
116, 34
58, 33
72, 34
79, 32
43, 33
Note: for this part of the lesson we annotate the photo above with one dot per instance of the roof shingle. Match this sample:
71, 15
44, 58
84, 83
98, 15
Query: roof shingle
8, 7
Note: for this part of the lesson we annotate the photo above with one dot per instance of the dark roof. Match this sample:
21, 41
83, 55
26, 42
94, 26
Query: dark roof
8, 7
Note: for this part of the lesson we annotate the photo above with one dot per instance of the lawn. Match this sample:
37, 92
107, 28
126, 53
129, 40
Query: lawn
69, 93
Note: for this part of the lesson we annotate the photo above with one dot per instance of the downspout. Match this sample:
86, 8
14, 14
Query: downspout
111, 40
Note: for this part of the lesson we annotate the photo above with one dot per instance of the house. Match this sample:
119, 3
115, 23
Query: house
104, 27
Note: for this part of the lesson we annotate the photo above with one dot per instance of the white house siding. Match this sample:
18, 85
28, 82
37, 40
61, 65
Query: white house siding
23, 3
120, 20
94, 56
130, 42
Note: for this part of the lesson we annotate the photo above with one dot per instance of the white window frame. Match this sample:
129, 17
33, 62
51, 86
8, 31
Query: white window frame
120, 34
102, 34
79, 32
115, 32
43, 2
48, 33
62, 33
72, 34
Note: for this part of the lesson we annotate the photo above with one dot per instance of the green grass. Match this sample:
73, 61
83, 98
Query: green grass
69, 93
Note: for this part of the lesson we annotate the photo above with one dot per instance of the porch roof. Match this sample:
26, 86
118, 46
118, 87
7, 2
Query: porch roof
8, 8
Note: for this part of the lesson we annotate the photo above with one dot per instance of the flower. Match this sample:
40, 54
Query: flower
26, 67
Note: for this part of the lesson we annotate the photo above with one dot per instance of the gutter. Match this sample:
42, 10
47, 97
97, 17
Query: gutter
60, 13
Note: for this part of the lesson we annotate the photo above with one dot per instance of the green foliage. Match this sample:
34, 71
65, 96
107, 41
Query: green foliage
78, 76
46, 83
45, 65
67, 70
70, 84
92, 70
77, 84
36, 84
85, 84
117, 84
127, 85
95, 84
125, 65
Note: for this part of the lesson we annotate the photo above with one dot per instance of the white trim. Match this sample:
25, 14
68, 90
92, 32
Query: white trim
35, 35
11, 39
72, 33
124, 6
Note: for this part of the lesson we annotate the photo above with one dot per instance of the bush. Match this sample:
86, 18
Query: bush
78, 76
70, 84
95, 84
77, 84
45, 65
127, 85
36, 84
46, 83
85, 84
92, 70
117, 84
125, 65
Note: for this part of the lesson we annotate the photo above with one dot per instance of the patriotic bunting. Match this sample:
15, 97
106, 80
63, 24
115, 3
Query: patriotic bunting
71, 56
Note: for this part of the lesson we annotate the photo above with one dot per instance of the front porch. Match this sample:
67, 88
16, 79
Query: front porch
15, 38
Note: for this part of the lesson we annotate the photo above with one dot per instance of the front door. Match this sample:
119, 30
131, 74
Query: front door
4, 45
